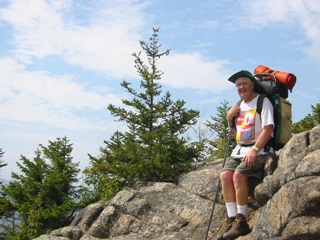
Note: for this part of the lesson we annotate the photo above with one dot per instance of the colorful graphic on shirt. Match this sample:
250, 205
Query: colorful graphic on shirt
245, 125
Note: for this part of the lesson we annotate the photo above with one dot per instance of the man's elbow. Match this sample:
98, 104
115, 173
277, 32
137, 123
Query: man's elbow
269, 128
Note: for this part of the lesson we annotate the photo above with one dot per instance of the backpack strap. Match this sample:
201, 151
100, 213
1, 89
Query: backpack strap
270, 142
260, 103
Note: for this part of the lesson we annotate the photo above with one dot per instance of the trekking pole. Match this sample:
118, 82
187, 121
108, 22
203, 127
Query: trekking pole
218, 185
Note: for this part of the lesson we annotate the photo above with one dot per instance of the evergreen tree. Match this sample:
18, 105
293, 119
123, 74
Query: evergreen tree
219, 125
3, 226
309, 121
154, 148
42, 196
2, 163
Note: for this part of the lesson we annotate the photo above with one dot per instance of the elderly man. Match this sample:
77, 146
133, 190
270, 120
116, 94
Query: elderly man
252, 132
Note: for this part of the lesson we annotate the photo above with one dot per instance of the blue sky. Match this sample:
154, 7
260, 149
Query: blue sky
62, 61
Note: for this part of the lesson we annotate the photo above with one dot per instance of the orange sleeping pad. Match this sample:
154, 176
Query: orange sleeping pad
284, 78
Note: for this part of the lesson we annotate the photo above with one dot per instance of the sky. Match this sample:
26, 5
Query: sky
62, 62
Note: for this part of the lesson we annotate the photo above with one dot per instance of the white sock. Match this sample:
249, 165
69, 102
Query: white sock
242, 209
231, 209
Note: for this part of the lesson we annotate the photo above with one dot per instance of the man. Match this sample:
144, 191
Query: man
252, 132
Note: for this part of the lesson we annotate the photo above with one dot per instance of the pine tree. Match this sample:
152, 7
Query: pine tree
154, 148
2, 163
219, 125
3, 215
43, 195
309, 121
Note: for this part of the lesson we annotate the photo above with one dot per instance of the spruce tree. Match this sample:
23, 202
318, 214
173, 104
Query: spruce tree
154, 148
43, 196
309, 121
2, 163
3, 215
219, 125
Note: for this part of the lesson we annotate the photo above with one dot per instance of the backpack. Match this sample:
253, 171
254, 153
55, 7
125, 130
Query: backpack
277, 94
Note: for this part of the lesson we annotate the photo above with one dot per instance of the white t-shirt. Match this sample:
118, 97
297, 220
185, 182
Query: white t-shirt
249, 123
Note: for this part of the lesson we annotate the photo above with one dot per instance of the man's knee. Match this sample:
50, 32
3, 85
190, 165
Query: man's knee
226, 176
239, 178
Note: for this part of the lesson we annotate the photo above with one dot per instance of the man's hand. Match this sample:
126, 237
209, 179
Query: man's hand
231, 113
250, 158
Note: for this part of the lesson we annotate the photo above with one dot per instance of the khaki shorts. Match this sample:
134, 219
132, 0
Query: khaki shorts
237, 165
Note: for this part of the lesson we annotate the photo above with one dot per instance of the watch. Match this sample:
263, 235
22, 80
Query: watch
255, 148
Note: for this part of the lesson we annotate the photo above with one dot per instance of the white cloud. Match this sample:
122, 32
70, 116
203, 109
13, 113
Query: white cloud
37, 96
301, 14
262, 13
191, 70
104, 43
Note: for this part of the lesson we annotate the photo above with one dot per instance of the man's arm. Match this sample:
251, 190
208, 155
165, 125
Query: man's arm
264, 137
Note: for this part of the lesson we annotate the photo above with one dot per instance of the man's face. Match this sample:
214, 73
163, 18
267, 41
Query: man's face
245, 87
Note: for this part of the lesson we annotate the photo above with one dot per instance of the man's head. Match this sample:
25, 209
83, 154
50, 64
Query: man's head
246, 84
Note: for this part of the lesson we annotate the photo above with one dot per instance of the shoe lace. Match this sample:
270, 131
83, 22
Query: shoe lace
235, 224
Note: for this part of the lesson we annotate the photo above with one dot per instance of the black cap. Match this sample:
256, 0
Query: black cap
247, 74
